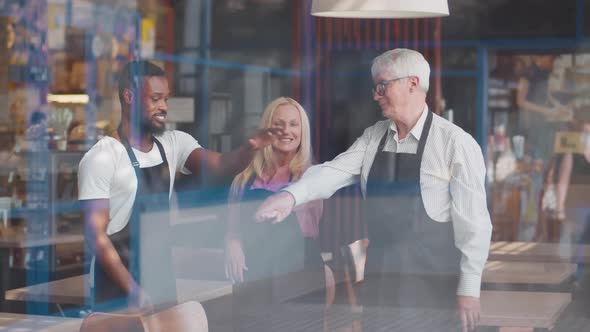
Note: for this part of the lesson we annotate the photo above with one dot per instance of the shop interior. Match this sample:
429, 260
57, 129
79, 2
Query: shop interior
225, 60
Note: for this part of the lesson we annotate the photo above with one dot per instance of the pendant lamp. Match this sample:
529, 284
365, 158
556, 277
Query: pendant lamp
380, 8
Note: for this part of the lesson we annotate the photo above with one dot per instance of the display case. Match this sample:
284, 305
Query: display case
49, 211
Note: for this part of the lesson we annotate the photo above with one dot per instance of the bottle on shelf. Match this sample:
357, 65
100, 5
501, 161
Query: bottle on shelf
13, 183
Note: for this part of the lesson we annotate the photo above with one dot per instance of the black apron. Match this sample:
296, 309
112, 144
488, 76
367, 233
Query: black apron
412, 261
280, 268
148, 258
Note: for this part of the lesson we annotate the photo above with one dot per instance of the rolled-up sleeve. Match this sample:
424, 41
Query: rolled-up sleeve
469, 213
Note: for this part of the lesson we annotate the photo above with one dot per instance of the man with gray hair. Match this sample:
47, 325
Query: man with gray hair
428, 223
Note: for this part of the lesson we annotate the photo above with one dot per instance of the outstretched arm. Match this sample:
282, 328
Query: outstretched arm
231, 163
525, 104
557, 111
318, 182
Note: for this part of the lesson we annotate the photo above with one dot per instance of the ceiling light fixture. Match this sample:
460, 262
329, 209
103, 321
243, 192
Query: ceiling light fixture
380, 8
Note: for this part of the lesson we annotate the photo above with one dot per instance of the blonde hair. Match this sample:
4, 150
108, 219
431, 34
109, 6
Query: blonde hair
263, 159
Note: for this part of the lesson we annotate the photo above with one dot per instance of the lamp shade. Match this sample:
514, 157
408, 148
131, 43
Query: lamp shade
380, 8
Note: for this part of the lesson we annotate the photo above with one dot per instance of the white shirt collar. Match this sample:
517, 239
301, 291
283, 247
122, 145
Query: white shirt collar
416, 131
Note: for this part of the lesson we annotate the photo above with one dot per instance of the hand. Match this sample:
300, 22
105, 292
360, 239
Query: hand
561, 215
469, 311
264, 137
560, 113
276, 208
235, 262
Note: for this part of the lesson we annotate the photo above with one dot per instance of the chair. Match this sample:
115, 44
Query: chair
505, 212
187, 317
112, 322
354, 256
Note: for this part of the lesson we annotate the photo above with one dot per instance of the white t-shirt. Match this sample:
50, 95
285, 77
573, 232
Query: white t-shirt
105, 172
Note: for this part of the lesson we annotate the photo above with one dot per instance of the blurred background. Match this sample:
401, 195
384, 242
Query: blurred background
225, 60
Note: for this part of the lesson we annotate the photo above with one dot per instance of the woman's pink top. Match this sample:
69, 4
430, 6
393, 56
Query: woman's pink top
308, 214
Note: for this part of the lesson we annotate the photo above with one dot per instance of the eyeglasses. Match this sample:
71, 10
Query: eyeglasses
379, 88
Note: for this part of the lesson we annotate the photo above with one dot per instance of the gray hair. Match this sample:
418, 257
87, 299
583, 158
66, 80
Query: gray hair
402, 62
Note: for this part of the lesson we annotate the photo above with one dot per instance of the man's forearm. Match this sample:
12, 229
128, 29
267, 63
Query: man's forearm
233, 224
532, 107
319, 182
235, 161
111, 262
474, 246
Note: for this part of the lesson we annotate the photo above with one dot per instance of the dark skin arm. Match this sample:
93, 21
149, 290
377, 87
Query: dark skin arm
96, 221
230, 163
97, 211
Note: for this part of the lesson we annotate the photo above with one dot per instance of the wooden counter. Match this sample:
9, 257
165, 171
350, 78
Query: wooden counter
539, 252
536, 273
525, 310
22, 241
76, 290
19, 322
522, 309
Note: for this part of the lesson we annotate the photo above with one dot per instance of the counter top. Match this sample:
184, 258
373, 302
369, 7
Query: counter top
20, 322
76, 290
538, 273
539, 252
28, 241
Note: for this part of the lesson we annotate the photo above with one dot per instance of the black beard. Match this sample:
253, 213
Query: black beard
148, 127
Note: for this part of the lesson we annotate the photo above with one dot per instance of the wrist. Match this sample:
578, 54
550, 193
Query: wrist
469, 285
292, 198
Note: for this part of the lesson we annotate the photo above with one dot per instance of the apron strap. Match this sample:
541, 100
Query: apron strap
134, 218
421, 142
161, 148
133, 159
424, 135
134, 226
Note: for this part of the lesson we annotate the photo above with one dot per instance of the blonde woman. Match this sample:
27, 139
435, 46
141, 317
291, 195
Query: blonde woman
270, 263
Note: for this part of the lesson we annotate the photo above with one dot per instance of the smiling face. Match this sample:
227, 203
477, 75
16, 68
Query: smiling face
395, 97
154, 104
287, 118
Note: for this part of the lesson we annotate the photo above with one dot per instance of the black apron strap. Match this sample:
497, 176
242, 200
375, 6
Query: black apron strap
423, 137
135, 213
393, 166
134, 226
425, 132
133, 159
161, 148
